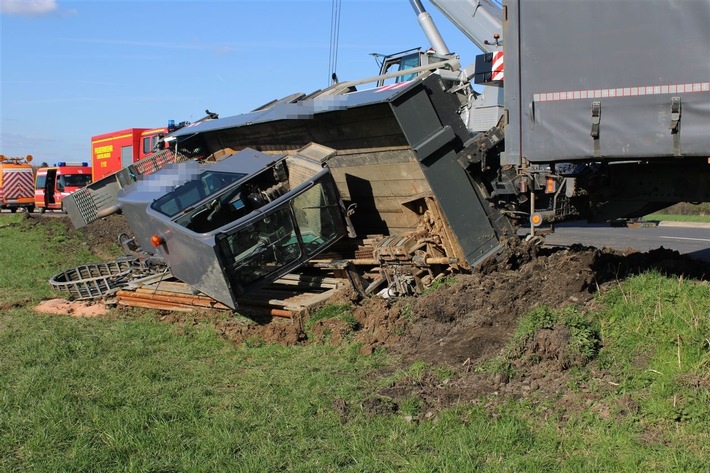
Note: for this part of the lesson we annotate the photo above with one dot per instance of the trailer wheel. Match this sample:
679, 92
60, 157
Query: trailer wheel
13, 209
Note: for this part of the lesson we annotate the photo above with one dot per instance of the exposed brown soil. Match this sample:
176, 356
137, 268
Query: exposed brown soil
71, 308
464, 324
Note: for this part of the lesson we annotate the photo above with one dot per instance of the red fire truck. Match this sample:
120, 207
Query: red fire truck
54, 183
111, 152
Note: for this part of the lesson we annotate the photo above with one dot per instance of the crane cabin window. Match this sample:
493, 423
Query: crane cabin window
399, 64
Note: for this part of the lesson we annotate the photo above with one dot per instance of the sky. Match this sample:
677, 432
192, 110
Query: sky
74, 69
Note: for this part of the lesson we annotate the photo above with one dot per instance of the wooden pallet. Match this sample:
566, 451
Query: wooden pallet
290, 295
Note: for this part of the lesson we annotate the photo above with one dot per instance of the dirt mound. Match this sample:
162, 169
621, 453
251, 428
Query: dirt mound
471, 322
102, 235
471, 318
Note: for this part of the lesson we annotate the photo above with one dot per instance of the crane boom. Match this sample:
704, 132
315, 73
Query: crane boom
483, 27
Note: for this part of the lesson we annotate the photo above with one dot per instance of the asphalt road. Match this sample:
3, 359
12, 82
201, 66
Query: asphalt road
686, 238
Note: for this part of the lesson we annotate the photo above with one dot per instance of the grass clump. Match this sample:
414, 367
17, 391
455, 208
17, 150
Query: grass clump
332, 323
584, 333
541, 317
419, 372
581, 336
499, 364
438, 283
342, 312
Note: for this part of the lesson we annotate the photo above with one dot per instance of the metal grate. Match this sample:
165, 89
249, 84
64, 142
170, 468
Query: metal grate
93, 281
156, 161
86, 205
99, 198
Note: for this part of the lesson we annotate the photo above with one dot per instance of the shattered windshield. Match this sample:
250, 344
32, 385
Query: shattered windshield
192, 192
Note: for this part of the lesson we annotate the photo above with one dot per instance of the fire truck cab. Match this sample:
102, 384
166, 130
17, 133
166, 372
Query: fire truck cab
54, 183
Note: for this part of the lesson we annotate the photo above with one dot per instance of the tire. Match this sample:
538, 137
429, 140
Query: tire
30, 209
13, 209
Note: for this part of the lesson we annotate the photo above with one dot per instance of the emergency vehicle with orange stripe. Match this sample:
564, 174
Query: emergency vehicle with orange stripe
16, 183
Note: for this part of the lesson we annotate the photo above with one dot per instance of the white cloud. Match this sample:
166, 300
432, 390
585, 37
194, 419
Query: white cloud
28, 7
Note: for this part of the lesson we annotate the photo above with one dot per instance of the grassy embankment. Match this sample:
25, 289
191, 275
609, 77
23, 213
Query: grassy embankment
683, 212
129, 393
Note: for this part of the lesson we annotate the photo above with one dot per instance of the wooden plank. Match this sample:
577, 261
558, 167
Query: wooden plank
310, 282
304, 285
170, 286
309, 278
261, 299
382, 205
372, 156
152, 279
254, 310
400, 190
278, 295
279, 299
381, 172
311, 300
172, 297
153, 305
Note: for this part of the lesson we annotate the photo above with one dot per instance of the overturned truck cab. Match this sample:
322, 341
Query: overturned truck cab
238, 224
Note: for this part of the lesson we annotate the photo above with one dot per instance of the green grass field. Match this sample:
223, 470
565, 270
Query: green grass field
130, 393
683, 212
678, 218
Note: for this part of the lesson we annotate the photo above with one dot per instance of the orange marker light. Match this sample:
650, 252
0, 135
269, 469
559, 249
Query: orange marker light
536, 219
156, 240
551, 186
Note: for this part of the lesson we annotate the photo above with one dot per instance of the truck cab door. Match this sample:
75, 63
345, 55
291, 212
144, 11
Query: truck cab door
281, 237
49, 187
